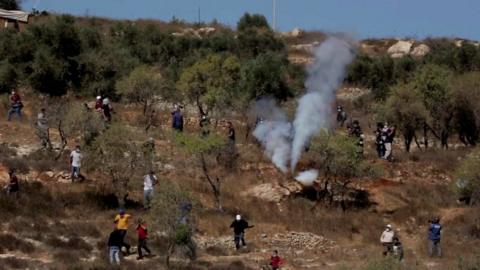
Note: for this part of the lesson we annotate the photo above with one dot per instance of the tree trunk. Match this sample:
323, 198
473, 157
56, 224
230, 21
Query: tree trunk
214, 184
416, 142
425, 136
170, 251
63, 139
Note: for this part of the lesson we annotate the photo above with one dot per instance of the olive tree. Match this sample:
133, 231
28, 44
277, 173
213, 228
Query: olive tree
208, 151
171, 216
405, 109
468, 175
118, 152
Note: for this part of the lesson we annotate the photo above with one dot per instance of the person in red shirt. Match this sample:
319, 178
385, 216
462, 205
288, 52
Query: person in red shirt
99, 104
142, 239
275, 260
16, 105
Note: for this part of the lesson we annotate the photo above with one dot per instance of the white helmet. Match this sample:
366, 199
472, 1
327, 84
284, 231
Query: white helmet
99, 97
238, 217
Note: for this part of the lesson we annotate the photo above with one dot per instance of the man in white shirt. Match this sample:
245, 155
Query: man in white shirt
76, 162
387, 239
149, 181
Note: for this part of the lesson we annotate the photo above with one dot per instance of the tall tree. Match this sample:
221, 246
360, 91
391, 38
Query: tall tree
10, 4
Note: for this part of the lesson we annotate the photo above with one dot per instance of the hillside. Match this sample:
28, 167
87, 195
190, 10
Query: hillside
62, 63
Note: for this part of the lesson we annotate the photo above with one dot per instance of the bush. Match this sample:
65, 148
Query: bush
248, 21
468, 175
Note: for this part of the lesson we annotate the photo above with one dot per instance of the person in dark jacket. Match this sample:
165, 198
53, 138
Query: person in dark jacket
142, 239
379, 140
115, 242
239, 225
341, 116
397, 249
177, 119
434, 231
13, 186
205, 125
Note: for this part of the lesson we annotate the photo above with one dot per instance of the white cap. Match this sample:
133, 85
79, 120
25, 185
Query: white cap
99, 97
389, 226
238, 217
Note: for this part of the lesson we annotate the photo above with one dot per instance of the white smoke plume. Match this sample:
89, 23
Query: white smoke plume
285, 142
274, 132
325, 75
307, 177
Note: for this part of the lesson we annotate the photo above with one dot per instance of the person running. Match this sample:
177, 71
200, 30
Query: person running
239, 225
275, 260
42, 129
13, 186
149, 181
76, 162
121, 220
16, 105
114, 246
387, 239
177, 118
142, 239
388, 136
434, 232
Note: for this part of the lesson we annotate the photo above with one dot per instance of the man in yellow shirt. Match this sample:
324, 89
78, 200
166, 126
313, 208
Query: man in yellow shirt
121, 220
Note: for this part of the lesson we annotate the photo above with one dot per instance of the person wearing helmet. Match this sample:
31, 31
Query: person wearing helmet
99, 104
434, 231
239, 225
387, 239
341, 116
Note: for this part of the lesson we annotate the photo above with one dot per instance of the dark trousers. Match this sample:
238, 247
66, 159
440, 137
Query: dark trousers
142, 243
127, 246
239, 237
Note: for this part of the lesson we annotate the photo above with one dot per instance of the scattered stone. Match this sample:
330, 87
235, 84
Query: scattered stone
296, 32
50, 174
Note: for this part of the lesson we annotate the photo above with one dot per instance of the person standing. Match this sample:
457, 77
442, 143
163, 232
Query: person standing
42, 129
76, 162
177, 119
114, 246
434, 232
13, 186
142, 239
16, 105
231, 137
99, 105
205, 125
387, 239
379, 140
107, 109
341, 116
239, 225
149, 181
121, 220
275, 260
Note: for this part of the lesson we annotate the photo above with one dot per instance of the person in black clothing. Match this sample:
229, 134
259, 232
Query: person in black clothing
356, 130
341, 116
13, 186
239, 225
205, 125
115, 242
379, 140
231, 137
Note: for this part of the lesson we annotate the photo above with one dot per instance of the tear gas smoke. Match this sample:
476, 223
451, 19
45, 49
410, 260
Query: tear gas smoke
285, 142
307, 177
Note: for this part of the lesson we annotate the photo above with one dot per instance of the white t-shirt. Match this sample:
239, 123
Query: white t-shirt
76, 158
148, 182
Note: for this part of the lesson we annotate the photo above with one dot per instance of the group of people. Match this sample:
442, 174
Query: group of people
384, 134
384, 137
116, 240
104, 108
393, 246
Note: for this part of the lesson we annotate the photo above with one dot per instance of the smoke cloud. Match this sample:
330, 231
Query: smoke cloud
324, 77
307, 177
283, 141
274, 132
